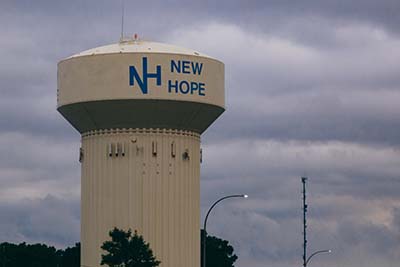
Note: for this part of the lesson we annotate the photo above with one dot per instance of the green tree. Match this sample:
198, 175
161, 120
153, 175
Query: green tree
127, 250
70, 257
25, 255
219, 253
38, 255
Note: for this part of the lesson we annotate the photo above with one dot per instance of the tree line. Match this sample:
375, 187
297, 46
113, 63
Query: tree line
123, 249
38, 255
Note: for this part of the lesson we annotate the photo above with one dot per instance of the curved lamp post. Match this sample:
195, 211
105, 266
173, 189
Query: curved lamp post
205, 222
317, 252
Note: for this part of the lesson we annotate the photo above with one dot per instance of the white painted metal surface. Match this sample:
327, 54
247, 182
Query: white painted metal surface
152, 189
139, 46
91, 75
140, 150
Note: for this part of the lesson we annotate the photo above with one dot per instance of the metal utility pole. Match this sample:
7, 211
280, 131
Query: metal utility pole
304, 180
305, 206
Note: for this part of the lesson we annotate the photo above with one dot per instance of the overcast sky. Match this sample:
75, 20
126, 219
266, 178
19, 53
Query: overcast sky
313, 88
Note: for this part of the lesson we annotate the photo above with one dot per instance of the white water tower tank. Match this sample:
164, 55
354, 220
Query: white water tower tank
141, 108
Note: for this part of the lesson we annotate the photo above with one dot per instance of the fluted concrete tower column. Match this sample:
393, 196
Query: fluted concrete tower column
141, 108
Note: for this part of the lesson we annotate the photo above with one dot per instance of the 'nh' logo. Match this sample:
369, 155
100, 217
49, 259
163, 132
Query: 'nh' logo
134, 75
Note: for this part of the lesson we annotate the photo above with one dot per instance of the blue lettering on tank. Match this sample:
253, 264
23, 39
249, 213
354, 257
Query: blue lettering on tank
143, 82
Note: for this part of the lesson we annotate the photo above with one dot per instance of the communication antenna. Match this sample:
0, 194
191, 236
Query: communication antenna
304, 181
122, 19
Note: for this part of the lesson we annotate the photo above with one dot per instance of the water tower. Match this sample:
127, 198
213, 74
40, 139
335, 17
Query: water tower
140, 108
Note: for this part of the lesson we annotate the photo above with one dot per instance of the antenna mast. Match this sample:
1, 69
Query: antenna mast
304, 180
122, 19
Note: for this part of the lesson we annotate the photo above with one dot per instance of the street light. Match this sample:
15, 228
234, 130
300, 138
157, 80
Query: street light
205, 222
317, 252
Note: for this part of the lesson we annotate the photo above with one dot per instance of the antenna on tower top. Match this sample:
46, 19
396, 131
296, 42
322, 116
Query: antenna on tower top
122, 19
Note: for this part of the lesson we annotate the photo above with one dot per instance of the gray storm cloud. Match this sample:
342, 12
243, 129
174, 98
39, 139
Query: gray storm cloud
312, 89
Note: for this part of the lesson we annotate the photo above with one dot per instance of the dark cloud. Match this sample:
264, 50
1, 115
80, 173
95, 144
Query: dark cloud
312, 89
347, 92
49, 220
347, 192
396, 219
257, 228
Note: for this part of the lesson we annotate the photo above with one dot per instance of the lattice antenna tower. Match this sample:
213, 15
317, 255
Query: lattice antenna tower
305, 206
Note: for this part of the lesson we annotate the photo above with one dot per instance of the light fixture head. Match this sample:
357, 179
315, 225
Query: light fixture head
245, 196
